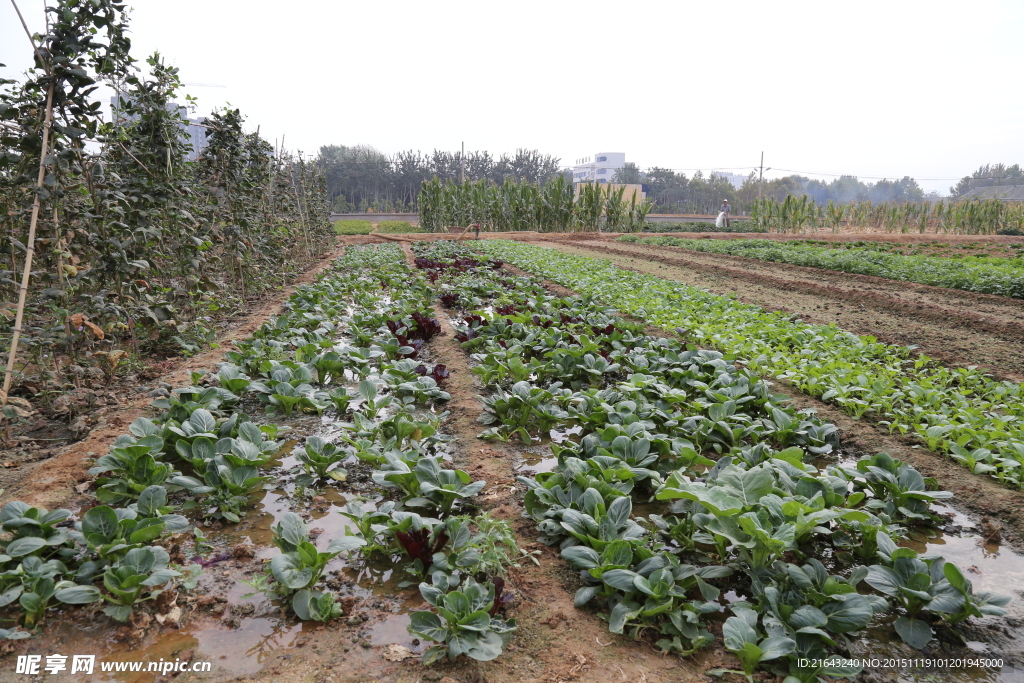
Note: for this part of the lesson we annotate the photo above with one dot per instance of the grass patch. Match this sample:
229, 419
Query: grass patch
352, 227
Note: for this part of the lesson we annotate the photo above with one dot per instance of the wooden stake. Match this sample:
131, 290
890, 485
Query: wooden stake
27, 273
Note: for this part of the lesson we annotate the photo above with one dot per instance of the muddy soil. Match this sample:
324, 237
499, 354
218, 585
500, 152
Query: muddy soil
955, 327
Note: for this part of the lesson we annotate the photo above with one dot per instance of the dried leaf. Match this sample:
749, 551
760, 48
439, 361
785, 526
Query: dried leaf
94, 329
397, 653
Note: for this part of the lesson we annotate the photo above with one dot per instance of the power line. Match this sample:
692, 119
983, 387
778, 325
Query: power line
789, 170
869, 177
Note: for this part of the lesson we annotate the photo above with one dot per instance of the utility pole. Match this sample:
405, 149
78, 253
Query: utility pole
760, 182
462, 160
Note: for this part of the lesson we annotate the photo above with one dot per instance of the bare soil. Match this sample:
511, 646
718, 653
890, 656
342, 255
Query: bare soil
858, 236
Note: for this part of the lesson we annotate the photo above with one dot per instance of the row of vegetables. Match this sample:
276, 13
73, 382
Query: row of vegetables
736, 485
350, 346
738, 497
962, 412
1002, 276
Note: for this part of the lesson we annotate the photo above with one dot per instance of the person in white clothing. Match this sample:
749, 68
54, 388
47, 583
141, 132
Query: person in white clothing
725, 210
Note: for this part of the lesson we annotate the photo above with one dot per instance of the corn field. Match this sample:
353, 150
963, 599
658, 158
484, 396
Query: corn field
965, 217
514, 206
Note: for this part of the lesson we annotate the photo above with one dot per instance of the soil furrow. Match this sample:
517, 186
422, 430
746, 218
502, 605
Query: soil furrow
546, 613
948, 335
1000, 311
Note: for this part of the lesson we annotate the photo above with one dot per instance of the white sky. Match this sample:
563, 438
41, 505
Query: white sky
926, 88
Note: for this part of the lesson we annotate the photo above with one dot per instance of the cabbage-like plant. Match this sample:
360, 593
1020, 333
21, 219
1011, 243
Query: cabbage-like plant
321, 459
463, 623
300, 564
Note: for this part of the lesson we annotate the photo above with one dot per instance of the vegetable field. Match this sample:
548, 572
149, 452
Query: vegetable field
437, 461
1002, 276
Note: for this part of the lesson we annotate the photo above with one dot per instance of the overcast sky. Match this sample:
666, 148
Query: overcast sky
871, 88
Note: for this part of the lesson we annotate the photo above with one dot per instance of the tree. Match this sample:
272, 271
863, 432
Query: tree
989, 175
628, 174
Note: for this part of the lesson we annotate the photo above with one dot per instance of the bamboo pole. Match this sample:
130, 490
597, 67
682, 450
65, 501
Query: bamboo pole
30, 248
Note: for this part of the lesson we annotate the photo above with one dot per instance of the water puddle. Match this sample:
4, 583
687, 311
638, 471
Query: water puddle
245, 628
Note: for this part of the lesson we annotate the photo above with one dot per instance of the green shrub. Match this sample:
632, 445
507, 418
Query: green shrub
397, 227
352, 227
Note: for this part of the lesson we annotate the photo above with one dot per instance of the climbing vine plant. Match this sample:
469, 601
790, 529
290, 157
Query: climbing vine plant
114, 244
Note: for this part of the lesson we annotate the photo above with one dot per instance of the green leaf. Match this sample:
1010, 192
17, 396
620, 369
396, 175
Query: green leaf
715, 498
345, 544
850, 614
78, 595
428, 625
487, 647
914, 632
27, 545
773, 648
737, 633
625, 610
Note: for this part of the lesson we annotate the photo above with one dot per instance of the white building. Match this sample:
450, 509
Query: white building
735, 179
193, 130
601, 167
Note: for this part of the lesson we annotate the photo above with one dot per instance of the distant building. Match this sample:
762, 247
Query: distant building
599, 168
194, 131
735, 179
1007, 193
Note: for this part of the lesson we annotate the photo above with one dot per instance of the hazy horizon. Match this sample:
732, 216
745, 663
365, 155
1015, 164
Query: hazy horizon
874, 90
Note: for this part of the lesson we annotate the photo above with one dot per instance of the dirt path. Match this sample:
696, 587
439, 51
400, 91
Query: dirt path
955, 327
555, 643
51, 483
890, 238
546, 614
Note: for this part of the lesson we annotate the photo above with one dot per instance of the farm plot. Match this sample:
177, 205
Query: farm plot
952, 326
336, 533
1000, 276
222, 525
681, 486
958, 411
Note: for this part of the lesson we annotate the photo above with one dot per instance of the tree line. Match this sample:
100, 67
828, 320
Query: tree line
361, 178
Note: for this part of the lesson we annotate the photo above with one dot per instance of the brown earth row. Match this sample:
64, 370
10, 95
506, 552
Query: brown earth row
892, 238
